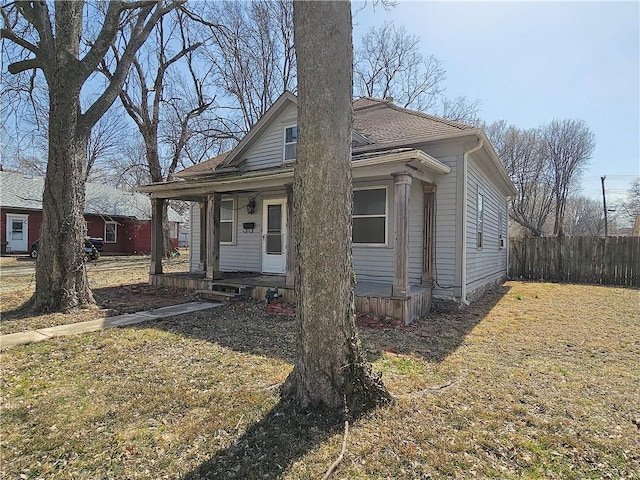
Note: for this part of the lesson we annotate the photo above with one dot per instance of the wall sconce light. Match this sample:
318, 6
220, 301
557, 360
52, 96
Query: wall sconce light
251, 206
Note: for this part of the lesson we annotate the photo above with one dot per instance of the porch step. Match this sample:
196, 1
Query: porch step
228, 292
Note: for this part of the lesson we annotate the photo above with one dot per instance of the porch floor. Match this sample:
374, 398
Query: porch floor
362, 289
371, 297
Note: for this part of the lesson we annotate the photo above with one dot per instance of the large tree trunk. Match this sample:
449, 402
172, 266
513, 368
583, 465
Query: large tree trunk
330, 369
61, 278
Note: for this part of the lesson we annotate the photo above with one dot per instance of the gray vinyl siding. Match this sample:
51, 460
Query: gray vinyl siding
445, 247
268, 152
375, 264
244, 255
488, 264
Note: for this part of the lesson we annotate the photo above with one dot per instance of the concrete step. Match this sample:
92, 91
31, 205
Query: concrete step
223, 296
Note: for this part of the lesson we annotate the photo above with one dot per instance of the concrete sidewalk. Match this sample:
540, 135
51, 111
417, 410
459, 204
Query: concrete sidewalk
22, 338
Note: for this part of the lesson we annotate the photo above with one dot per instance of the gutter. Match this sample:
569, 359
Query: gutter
463, 276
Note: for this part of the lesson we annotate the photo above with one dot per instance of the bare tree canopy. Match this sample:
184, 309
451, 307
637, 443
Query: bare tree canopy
330, 369
66, 42
253, 57
568, 145
521, 155
389, 65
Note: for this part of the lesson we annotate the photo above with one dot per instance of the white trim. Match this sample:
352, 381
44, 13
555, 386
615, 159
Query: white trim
479, 219
115, 232
232, 221
386, 217
25, 232
284, 144
281, 268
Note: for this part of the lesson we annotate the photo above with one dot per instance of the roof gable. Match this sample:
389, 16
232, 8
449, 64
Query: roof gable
236, 156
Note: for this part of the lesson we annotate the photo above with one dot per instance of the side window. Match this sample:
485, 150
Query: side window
227, 221
290, 143
110, 232
501, 223
480, 221
370, 216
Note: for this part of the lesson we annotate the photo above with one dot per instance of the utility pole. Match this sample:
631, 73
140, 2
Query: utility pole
604, 204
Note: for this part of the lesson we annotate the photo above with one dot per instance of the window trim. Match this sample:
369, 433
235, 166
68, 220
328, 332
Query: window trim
480, 206
232, 221
115, 231
501, 222
284, 144
386, 217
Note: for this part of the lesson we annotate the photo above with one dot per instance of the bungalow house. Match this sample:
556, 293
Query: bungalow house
122, 219
429, 210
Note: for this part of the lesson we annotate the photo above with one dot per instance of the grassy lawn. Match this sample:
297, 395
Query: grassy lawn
537, 381
119, 284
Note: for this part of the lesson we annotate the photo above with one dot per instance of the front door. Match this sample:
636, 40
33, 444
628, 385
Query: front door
17, 233
274, 236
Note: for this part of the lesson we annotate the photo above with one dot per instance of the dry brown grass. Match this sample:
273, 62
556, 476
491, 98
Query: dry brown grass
119, 285
545, 385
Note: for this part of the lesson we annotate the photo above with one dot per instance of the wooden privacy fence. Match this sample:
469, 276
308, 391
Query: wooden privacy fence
604, 260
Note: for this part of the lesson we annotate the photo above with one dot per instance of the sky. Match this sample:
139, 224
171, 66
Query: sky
531, 62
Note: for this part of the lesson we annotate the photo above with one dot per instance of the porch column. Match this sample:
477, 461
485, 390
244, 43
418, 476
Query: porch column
402, 193
202, 261
156, 236
213, 237
291, 254
429, 190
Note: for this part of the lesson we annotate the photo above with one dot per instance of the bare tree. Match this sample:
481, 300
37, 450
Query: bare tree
253, 57
583, 216
630, 206
522, 155
48, 38
568, 145
389, 65
330, 369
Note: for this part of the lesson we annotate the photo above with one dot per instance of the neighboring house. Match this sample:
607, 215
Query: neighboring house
429, 211
121, 219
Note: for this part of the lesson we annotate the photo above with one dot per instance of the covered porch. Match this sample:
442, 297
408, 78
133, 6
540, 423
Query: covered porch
405, 297
370, 297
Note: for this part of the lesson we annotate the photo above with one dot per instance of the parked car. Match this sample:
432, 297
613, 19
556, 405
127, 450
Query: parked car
92, 248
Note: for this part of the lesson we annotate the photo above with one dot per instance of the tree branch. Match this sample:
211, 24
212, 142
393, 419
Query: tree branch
24, 65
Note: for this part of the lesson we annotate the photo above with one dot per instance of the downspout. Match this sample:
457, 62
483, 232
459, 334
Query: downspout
463, 276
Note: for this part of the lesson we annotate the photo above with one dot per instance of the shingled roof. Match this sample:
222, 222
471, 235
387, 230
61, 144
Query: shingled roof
21, 191
378, 121
381, 121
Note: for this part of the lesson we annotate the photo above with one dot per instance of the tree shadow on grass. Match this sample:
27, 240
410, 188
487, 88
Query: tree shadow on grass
248, 328
269, 447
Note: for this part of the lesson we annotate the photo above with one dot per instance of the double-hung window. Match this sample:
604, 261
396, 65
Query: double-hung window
290, 143
227, 221
110, 232
480, 220
370, 216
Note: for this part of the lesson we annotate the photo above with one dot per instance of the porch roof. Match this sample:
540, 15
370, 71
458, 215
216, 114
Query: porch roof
414, 162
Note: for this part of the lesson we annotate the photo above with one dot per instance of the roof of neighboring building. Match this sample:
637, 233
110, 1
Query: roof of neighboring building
21, 191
